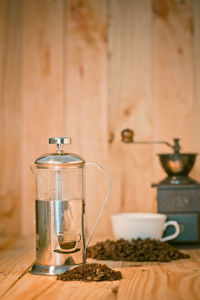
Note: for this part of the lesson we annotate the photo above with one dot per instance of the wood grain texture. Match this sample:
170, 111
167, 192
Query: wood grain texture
88, 69
42, 91
131, 104
43, 288
196, 12
10, 115
173, 74
16, 257
86, 94
175, 280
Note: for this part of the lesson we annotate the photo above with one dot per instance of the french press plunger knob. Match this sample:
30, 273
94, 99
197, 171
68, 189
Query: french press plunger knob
60, 141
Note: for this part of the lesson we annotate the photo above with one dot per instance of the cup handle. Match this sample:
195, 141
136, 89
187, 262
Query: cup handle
175, 234
104, 203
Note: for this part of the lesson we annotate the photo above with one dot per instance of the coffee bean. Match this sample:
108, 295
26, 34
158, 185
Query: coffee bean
90, 272
135, 250
98, 270
89, 278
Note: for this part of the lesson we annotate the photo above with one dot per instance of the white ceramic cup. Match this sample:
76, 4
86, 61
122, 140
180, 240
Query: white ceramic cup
130, 226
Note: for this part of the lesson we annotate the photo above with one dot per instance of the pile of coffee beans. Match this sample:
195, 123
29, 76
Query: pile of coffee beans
90, 272
135, 250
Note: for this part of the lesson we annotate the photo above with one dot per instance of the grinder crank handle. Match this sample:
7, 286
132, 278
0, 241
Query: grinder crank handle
104, 203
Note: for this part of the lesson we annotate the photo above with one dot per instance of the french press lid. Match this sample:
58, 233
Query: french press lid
59, 158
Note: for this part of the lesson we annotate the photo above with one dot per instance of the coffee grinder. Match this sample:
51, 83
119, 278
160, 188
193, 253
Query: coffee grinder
178, 195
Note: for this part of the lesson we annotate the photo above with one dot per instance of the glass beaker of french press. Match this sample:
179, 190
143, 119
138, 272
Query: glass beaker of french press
60, 210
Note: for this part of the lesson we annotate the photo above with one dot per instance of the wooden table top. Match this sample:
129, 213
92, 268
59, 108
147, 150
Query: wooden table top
178, 279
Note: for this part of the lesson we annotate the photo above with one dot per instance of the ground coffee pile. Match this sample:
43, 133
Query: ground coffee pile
136, 250
90, 272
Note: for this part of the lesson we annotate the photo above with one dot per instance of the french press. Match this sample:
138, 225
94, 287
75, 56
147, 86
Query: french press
60, 210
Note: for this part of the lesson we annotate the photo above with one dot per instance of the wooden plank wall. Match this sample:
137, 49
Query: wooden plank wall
88, 69
10, 115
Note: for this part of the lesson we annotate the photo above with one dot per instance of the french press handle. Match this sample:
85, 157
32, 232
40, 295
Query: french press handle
104, 203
